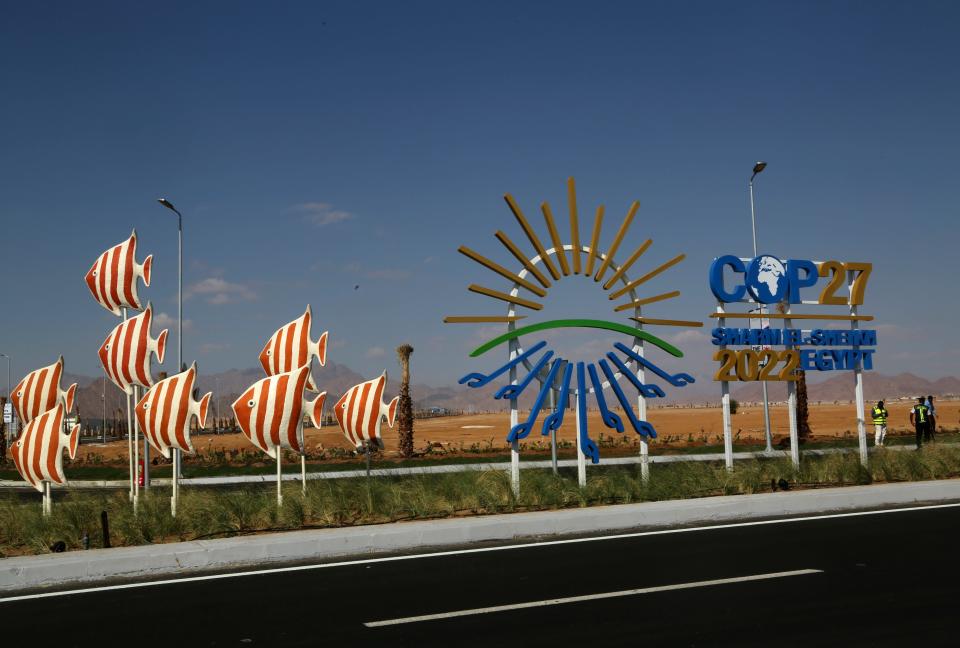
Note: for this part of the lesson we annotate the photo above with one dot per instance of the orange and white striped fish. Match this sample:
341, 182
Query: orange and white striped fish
270, 412
361, 410
40, 392
165, 412
38, 455
112, 279
291, 347
125, 354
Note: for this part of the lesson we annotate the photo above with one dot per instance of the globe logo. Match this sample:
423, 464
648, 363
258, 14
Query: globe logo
766, 279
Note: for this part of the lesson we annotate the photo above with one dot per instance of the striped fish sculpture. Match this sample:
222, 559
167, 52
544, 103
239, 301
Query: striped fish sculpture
291, 347
361, 410
38, 455
112, 279
40, 392
166, 410
125, 354
270, 413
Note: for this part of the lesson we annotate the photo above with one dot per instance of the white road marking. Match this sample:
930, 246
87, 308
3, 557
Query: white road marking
475, 427
588, 597
460, 552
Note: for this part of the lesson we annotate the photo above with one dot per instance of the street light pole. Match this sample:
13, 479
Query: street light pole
757, 168
176, 452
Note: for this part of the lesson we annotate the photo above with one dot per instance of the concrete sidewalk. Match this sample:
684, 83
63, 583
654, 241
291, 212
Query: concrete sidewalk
259, 551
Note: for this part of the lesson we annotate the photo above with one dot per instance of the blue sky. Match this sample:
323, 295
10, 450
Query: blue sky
316, 147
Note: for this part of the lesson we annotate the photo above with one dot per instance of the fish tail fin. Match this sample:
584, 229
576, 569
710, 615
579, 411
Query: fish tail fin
162, 346
73, 440
71, 393
316, 410
392, 410
321, 349
147, 267
204, 406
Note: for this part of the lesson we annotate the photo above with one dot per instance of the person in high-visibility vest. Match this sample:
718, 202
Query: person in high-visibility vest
879, 424
920, 418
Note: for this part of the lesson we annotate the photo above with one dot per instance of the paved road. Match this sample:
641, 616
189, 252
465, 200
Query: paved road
875, 579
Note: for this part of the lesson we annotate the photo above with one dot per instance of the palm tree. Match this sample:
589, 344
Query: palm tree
405, 415
803, 411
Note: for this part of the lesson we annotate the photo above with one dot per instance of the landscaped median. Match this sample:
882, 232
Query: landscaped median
309, 549
206, 513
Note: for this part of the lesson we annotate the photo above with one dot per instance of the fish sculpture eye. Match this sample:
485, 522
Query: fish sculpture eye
94, 273
146, 406
251, 403
106, 347
269, 351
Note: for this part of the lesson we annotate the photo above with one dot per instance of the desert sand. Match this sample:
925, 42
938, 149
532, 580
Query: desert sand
675, 427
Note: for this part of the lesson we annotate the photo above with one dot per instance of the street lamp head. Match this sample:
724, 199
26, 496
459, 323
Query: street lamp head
758, 167
169, 205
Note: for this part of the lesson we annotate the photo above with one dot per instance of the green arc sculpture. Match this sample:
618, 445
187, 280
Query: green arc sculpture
577, 323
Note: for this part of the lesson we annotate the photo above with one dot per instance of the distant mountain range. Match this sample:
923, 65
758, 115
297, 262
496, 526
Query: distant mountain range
840, 387
336, 379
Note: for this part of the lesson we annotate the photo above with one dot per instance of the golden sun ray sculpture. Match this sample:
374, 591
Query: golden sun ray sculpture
533, 280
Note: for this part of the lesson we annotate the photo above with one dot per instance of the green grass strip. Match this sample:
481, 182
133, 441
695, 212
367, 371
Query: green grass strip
578, 323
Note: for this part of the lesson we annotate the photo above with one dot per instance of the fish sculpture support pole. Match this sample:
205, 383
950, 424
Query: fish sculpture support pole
279, 492
552, 404
133, 466
368, 463
175, 482
137, 394
303, 441
136, 453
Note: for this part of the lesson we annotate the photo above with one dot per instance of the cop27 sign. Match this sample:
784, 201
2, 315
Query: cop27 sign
766, 280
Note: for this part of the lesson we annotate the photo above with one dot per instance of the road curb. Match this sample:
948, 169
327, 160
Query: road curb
177, 559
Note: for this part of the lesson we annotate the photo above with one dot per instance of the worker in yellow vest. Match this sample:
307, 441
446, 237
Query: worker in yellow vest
879, 424
920, 418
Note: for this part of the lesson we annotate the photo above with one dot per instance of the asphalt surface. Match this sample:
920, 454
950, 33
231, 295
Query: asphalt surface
885, 579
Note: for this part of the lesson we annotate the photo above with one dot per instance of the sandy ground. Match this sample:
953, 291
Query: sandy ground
674, 427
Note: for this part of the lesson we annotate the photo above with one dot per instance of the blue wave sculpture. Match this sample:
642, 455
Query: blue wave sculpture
610, 419
514, 391
521, 430
677, 380
648, 391
640, 427
587, 446
479, 380
555, 420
